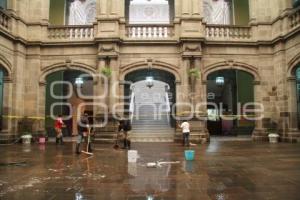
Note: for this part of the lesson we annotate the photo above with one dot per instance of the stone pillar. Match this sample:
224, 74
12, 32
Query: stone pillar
182, 88
252, 11
259, 132
293, 133
41, 110
114, 84
12, 6
102, 7
186, 7
100, 89
198, 83
196, 7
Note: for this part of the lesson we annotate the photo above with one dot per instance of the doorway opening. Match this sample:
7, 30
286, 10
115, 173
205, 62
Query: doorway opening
152, 94
3, 73
227, 92
63, 98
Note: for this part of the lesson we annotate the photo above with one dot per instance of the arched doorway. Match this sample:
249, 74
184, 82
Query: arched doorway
3, 73
68, 93
152, 94
298, 94
228, 91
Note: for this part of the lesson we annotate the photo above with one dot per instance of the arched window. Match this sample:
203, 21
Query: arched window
72, 12
296, 3
3, 4
234, 12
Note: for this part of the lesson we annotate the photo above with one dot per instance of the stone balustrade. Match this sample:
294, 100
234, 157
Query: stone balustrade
295, 18
71, 32
227, 32
149, 31
4, 19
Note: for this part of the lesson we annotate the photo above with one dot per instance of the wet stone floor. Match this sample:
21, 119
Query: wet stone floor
221, 170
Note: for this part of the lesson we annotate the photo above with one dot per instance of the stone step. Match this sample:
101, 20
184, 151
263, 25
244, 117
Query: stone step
149, 122
104, 141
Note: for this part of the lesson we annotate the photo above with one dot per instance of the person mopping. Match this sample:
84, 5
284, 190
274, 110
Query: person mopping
84, 133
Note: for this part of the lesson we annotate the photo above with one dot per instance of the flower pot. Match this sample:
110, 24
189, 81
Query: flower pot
42, 140
273, 138
26, 139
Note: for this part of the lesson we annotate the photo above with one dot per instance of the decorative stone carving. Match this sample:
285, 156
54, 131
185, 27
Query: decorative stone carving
106, 48
191, 50
192, 47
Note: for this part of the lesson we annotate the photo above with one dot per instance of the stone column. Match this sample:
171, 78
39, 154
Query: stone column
259, 133
196, 7
186, 7
100, 89
182, 88
252, 11
198, 83
12, 6
102, 6
293, 133
114, 84
41, 102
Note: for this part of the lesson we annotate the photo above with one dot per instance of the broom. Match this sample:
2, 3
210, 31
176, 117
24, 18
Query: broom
88, 143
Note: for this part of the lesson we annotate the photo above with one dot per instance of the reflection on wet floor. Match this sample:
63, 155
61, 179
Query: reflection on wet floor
221, 170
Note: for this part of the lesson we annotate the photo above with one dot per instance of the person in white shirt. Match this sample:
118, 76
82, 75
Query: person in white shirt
185, 126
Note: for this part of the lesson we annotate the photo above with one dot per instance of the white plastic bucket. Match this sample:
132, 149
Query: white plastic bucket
273, 138
26, 139
132, 156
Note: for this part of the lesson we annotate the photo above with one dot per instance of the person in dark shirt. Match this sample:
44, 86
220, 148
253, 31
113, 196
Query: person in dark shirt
125, 126
83, 127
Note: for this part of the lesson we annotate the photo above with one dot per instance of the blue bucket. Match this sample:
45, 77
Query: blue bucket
189, 154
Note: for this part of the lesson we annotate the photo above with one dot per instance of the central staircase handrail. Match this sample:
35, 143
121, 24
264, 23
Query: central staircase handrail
131, 106
168, 109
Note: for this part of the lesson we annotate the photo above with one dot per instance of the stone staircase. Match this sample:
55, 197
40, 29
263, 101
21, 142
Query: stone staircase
151, 124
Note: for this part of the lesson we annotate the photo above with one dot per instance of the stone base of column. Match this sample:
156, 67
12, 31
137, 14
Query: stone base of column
107, 133
199, 133
292, 136
260, 135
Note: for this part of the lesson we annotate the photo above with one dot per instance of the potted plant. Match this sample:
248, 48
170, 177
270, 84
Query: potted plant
106, 71
194, 74
42, 137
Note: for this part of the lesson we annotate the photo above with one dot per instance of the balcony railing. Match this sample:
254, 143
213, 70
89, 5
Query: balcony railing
295, 18
226, 32
71, 32
4, 20
149, 31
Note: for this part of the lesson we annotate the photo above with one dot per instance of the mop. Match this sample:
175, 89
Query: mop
87, 146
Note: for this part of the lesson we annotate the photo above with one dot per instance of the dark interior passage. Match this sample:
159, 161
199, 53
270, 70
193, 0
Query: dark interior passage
227, 92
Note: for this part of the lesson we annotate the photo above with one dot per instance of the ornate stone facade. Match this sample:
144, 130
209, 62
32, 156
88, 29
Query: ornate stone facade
269, 49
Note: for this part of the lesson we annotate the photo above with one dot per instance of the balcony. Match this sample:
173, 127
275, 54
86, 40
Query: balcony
4, 20
71, 33
153, 32
228, 32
